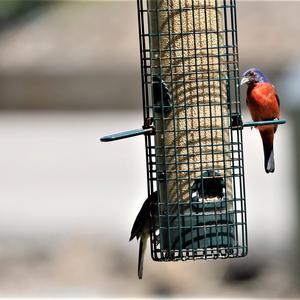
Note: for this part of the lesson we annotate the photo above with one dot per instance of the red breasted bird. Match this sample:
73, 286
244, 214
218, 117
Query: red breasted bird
141, 229
263, 104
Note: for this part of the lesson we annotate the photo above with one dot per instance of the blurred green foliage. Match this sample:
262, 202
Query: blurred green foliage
13, 9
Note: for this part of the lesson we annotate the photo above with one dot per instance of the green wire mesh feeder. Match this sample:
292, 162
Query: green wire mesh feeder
193, 128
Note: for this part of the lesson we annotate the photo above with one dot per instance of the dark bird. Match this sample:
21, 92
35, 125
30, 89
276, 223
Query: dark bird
264, 105
141, 229
161, 96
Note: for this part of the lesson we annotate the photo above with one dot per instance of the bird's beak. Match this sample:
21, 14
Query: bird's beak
244, 80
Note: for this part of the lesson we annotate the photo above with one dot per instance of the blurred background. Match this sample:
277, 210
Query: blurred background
69, 73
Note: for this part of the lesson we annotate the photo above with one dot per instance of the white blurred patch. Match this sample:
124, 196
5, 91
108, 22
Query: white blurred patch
56, 176
270, 197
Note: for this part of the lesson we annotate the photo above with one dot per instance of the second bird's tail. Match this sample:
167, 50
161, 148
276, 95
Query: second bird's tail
142, 250
267, 138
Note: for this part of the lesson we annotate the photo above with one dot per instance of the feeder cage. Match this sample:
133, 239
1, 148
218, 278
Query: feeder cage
190, 84
193, 128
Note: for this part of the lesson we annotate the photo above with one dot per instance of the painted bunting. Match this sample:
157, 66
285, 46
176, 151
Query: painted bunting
141, 229
263, 104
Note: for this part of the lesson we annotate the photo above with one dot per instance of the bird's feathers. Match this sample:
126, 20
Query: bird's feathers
267, 138
141, 220
277, 98
256, 75
142, 250
141, 228
271, 163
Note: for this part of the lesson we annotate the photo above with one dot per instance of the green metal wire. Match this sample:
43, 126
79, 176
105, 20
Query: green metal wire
212, 230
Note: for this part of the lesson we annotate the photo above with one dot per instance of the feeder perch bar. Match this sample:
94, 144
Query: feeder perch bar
135, 132
192, 128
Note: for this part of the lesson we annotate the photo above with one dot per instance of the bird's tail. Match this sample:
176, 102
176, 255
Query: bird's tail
267, 138
142, 250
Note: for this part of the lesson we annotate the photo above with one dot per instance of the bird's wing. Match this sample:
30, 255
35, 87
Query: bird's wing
278, 101
277, 98
276, 95
140, 221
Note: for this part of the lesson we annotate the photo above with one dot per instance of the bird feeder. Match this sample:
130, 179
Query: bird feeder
193, 128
